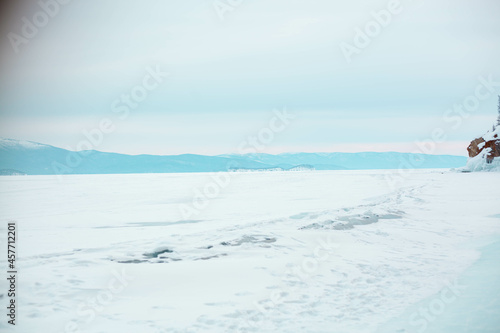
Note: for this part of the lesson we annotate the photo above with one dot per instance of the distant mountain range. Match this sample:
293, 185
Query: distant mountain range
31, 158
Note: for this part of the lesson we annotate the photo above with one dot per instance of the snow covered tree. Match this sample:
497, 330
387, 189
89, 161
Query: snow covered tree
498, 120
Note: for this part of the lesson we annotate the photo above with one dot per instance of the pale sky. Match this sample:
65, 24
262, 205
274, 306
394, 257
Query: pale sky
227, 76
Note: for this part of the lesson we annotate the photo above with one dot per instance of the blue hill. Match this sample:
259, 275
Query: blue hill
25, 157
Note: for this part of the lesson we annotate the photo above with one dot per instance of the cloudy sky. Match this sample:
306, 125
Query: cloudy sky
352, 83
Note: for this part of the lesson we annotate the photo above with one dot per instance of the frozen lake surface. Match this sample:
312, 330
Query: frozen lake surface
332, 251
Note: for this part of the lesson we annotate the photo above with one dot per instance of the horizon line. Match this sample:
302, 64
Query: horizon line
227, 154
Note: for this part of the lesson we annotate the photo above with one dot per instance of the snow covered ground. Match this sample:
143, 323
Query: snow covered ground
330, 251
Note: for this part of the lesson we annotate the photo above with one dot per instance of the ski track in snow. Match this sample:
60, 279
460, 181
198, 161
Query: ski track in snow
349, 268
